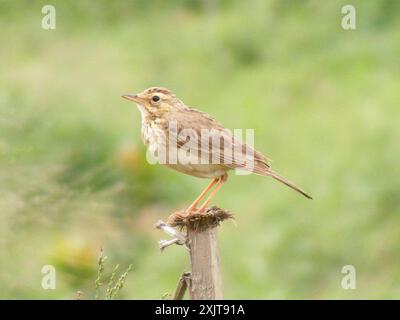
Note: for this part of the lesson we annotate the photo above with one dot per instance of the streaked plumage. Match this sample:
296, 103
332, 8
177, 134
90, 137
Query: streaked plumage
158, 115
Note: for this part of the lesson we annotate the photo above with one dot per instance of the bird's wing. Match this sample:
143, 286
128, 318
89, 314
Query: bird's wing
214, 143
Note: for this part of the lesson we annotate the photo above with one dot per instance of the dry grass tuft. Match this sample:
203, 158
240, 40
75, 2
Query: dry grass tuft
200, 221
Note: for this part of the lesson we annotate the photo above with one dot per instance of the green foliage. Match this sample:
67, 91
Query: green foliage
114, 285
323, 103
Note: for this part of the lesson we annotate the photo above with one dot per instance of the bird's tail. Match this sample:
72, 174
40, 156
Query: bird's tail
278, 177
288, 183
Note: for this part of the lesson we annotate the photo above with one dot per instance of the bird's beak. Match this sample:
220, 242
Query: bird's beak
133, 97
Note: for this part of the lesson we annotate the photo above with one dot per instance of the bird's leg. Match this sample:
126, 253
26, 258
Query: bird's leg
193, 206
223, 179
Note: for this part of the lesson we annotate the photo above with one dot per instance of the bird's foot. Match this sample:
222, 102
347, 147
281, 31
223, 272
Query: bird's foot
184, 214
203, 208
193, 210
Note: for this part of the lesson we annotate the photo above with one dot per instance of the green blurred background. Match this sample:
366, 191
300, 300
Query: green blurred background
323, 102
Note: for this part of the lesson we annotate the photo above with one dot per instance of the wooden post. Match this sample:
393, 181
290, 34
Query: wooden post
205, 275
205, 278
182, 286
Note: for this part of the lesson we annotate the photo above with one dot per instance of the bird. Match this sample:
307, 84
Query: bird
168, 124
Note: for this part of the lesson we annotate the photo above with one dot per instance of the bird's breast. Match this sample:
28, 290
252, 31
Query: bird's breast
151, 133
155, 138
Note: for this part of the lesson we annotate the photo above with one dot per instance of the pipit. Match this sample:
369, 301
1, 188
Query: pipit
180, 136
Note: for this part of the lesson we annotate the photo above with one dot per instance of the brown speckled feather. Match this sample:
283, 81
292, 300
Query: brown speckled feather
199, 120
160, 108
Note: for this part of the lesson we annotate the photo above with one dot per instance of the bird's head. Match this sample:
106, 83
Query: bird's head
154, 100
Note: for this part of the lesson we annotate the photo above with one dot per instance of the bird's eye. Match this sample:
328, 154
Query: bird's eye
155, 98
